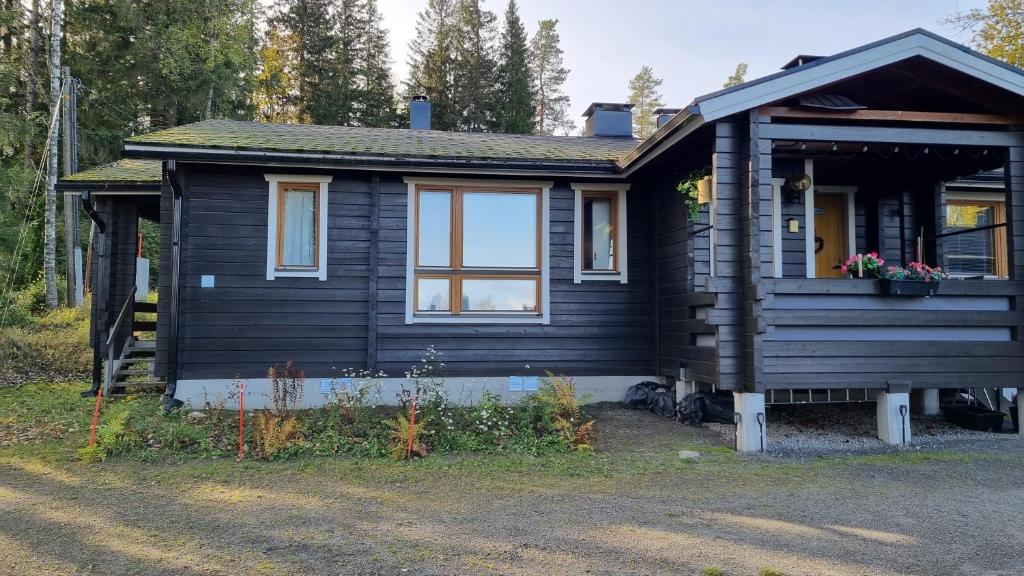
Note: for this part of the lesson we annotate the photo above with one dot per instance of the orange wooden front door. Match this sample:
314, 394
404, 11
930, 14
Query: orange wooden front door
829, 234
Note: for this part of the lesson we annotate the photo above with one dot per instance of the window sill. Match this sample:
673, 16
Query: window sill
588, 276
473, 319
298, 273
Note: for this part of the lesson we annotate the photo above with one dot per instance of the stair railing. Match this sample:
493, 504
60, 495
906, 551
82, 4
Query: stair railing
108, 376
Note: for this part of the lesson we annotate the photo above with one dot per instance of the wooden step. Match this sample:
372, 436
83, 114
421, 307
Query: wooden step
133, 372
143, 344
145, 359
144, 326
145, 307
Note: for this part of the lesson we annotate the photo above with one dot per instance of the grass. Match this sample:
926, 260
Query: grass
49, 424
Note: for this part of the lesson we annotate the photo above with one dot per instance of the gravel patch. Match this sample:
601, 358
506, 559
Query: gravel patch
807, 430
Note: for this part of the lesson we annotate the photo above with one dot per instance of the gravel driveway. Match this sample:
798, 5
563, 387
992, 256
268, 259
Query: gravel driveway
631, 508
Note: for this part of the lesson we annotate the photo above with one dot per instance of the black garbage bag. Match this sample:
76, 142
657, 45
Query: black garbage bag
699, 407
662, 403
637, 395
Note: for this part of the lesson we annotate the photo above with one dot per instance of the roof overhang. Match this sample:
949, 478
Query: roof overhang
377, 163
825, 71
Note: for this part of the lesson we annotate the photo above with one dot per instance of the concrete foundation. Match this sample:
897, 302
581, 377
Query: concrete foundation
894, 417
751, 430
925, 402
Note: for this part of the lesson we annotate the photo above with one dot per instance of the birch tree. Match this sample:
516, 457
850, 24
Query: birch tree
998, 29
50, 217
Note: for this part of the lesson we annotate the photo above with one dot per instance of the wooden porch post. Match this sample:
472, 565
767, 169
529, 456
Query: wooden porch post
727, 282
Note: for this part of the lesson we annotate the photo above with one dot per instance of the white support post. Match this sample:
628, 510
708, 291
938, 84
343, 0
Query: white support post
751, 424
894, 417
926, 402
1020, 411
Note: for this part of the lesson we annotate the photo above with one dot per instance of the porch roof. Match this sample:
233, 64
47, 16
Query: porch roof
126, 173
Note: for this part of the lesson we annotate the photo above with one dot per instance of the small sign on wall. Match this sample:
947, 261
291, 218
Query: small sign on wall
333, 385
207, 281
523, 383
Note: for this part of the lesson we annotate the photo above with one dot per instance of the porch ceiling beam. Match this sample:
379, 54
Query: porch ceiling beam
892, 116
891, 135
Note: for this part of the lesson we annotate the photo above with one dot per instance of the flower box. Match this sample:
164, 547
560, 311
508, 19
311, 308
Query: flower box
918, 288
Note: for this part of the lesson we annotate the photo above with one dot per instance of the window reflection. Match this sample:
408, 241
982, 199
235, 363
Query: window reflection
499, 295
598, 233
435, 228
499, 230
433, 295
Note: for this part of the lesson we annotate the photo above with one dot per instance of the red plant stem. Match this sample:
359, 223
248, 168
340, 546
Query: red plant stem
241, 421
412, 426
95, 417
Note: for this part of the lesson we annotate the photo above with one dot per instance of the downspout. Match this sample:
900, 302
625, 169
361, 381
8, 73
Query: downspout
97, 354
174, 180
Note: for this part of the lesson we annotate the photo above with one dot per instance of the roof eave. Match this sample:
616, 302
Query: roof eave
107, 186
138, 150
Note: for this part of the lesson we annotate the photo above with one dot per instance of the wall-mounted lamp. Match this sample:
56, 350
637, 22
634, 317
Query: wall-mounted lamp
793, 225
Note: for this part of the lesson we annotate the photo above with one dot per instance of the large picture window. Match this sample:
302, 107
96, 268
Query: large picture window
980, 252
477, 251
297, 226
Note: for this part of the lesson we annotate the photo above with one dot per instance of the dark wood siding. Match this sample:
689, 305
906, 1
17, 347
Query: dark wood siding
597, 328
247, 323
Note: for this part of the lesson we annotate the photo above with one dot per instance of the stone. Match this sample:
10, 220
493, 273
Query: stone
688, 455
196, 417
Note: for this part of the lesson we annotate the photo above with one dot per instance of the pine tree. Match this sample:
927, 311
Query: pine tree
377, 100
737, 77
431, 62
644, 96
514, 111
473, 71
552, 104
314, 27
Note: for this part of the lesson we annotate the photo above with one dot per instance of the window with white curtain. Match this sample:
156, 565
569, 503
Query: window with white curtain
297, 226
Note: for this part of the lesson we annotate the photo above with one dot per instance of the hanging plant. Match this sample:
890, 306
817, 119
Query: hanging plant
696, 189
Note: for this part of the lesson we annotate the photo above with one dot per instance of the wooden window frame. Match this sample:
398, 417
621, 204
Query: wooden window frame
612, 195
999, 242
457, 271
275, 225
619, 218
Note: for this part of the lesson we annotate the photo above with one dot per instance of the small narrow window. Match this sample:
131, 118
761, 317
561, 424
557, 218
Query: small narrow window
599, 211
298, 238
600, 223
297, 226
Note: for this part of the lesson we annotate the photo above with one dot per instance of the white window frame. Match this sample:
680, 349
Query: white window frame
621, 234
275, 180
410, 257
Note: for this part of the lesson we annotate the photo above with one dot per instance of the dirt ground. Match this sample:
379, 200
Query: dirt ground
632, 507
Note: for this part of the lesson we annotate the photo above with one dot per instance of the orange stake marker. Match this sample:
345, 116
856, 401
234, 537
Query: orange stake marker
95, 417
412, 426
241, 421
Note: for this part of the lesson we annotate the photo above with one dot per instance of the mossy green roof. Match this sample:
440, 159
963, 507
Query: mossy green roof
387, 142
126, 170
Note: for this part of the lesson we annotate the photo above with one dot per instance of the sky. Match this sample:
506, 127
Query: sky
694, 45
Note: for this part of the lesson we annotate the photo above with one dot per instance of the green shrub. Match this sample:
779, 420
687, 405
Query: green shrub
42, 344
770, 572
712, 571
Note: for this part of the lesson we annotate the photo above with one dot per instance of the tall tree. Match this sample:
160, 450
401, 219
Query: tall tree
377, 101
31, 57
276, 90
431, 62
737, 77
50, 218
645, 98
549, 75
514, 111
473, 70
998, 29
313, 25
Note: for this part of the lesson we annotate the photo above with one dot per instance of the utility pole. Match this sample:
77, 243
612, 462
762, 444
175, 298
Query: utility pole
50, 219
72, 244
